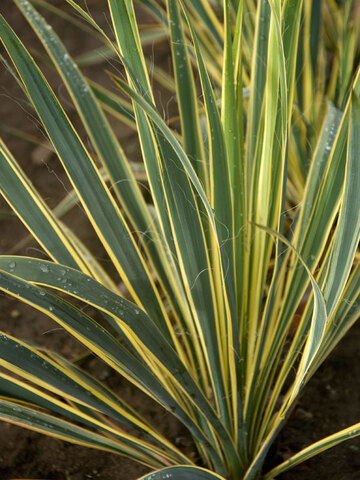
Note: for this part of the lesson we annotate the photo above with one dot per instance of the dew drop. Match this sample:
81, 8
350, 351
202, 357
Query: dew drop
44, 268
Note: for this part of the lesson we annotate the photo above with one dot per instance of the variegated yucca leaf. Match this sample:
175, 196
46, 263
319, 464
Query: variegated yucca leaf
239, 267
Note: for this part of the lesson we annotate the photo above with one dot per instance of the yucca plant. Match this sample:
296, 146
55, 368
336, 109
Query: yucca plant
242, 267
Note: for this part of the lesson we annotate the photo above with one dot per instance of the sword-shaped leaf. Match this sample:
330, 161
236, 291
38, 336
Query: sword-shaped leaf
100, 206
182, 473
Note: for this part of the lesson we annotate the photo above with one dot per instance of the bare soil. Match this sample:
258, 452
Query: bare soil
330, 402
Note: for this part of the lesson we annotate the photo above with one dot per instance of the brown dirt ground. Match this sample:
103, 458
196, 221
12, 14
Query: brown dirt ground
330, 402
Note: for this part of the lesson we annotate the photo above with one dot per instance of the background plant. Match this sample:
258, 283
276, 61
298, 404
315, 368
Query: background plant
253, 221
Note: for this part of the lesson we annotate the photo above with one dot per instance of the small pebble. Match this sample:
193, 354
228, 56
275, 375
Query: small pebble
15, 314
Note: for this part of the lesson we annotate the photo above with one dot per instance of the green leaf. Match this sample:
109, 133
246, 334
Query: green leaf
348, 227
182, 473
327, 137
206, 16
113, 104
186, 94
204, 309
315, 449
132, 323
259, 64
242, 268
20, 391
29, 206
44, 423
106, 218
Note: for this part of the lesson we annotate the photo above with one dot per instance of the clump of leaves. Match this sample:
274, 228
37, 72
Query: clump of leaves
253, 223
